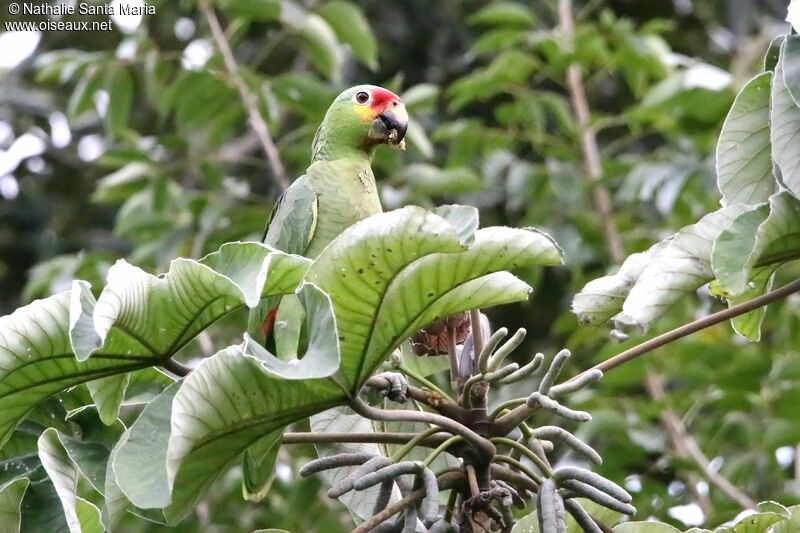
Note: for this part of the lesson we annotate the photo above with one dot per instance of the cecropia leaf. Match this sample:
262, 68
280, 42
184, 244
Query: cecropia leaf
342, 419
602, 298
766, 235
230, 401
408, 267
785, 120
744, 162
681, 267
11, 494
381, 279
138, 321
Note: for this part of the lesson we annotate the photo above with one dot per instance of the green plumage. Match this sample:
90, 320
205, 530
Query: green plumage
332, 196
337, 190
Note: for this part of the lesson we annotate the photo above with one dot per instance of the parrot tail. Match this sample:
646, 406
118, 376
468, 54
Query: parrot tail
269, 322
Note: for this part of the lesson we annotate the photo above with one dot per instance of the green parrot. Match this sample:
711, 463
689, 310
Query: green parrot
338, 188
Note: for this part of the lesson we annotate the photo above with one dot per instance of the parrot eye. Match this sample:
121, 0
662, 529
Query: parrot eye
362, 97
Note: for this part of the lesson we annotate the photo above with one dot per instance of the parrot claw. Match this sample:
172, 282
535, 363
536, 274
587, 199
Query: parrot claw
398, 387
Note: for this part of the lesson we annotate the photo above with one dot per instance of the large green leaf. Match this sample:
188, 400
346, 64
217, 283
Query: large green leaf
64, 475
645, 527
11, 494
785, 121
119, 85
767, 235
154, 316
681, 267
408, 267
258, 466
36, 359
138, 321
318, 38
341, 419
602, 298
226, 404
744, 162
382, 279
791, 525
791, 66
530, 523
139, 458
352, 27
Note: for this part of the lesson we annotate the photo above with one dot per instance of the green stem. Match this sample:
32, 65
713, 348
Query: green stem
442, 447
507, 405
519, 466
425, 382
526, 452
407, 447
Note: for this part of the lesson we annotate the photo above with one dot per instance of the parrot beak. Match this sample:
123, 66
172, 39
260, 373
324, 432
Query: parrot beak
390, 126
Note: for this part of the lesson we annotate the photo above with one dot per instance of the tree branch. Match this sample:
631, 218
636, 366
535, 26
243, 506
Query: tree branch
376, 437
687, 447
481, 445
504, 424
693, 327
249, 100
431, 398
591, 153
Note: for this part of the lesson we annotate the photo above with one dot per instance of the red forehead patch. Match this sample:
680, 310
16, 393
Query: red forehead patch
382, 97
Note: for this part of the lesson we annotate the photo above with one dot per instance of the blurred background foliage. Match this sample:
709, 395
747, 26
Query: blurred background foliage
135, 143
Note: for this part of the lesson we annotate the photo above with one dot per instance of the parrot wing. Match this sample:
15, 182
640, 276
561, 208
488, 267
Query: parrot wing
290, 228
294, 218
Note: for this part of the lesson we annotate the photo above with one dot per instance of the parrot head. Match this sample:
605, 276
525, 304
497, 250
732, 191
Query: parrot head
360, 118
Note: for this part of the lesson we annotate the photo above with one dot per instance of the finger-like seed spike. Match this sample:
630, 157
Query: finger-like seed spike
597, 496
595, 480
443, 527
491, 344
525, 371
346, 485
555, 432
561, 523
430, 505
410, 511
581, 517
555, 369
387, 472
384, 495
546, 507
545, 402
509, 346
584, 380
507, 370
334, 461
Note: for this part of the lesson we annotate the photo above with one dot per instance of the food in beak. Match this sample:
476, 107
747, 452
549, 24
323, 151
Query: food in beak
388, 128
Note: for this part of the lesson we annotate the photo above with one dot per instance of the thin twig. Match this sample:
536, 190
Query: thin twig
249, 100
508, 421
678, 433
591, 153
472, 479
797, 464
686, 446
693, 327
